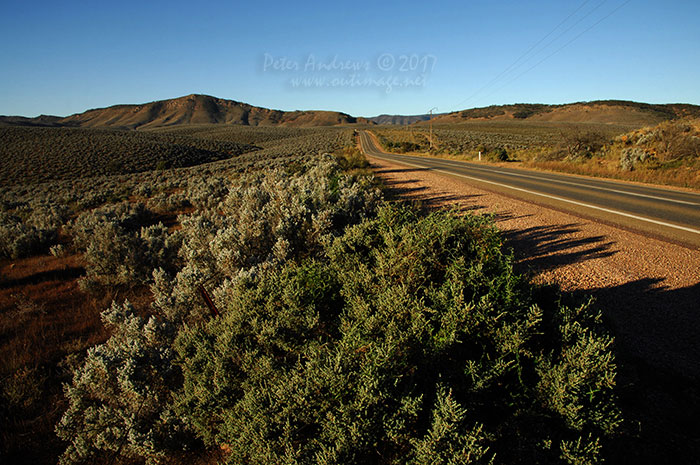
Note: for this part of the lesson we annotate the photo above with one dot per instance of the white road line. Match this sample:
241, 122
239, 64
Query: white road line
461, 165
553, 197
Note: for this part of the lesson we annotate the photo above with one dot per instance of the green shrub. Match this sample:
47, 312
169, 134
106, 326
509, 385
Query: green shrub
498, 154
349, 334
351, 158
632, 158
121, 398
22, 391
412, 337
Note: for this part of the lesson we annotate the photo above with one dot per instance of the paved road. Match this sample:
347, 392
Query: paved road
664, 213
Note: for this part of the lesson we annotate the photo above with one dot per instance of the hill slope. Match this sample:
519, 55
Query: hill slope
39, 121
191, 109
601, 111
399, 119
204, 109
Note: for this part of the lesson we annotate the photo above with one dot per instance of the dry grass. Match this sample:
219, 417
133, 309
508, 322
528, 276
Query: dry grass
668, 153
684, 176
673, 147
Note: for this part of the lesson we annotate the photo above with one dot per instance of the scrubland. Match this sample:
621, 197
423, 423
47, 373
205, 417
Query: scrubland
350, 330
667, 153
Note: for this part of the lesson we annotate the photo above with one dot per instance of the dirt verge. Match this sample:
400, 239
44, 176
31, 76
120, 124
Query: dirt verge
648, 290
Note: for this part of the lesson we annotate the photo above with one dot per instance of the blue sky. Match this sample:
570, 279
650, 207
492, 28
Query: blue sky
66, 57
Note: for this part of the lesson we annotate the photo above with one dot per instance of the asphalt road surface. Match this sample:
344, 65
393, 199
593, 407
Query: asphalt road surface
665, 213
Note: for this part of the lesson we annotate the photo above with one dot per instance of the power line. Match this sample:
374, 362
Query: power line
580, 20
560, 48
492, 81
549, 34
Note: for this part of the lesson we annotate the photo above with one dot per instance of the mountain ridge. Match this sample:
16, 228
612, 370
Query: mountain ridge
596, 111
189, 109
399, 120
205, 109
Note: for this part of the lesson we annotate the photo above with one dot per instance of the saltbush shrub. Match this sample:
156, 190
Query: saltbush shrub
667, 143
118, 399
632, 158
499, 154
411, 341
350, 333
351, 158
129, 382
24, 237
118, 250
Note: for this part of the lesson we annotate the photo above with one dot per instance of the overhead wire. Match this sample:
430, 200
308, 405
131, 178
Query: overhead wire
516, 64
523, 55
561, 48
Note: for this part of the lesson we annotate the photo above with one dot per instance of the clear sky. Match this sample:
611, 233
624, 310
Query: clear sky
363, 58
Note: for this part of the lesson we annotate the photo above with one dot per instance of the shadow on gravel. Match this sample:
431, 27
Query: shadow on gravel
400, 191
657, 338
504, 216
542, 248
411, 190
402, 170
657, 342
656, 329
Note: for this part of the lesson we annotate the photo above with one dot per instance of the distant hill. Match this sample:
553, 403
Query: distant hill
204, 109
41, 121
399, 119
601, 111
191, 109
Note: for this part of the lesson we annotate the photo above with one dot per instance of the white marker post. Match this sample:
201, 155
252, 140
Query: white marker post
479, 155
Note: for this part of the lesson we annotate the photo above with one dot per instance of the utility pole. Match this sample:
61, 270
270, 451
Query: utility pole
431, 128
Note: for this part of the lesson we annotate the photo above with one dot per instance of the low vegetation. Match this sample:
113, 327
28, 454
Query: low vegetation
351, 330
598, 110
261, 136
95, 231
45, 154
405, 340
466, 139
666, 154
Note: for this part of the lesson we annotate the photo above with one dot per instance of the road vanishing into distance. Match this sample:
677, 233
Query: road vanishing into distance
669, 214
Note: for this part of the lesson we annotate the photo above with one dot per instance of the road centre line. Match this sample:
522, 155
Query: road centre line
553, 197
462, 165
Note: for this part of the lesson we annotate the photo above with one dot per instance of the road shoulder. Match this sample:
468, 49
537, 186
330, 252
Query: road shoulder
648, 288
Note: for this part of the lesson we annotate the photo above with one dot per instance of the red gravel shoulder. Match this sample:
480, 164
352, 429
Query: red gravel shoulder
649, 289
